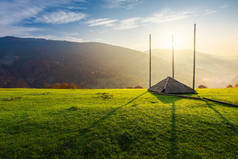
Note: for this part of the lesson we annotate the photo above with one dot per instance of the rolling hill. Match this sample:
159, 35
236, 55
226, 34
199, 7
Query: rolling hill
27, 62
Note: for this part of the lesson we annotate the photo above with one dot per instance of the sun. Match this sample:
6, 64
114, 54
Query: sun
177, 42
163, 40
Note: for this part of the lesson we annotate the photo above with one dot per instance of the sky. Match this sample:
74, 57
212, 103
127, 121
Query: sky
127, 23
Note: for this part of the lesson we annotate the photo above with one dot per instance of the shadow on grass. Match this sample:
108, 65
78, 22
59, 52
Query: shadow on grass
86, 130
173, 137
69, 142
72, 143
226, 121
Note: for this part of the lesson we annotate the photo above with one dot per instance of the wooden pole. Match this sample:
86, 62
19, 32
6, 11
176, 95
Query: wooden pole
150, 61
172, 55
194, 56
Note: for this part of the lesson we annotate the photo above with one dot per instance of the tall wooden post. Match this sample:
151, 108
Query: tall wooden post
194, 56
150, 61
172, 55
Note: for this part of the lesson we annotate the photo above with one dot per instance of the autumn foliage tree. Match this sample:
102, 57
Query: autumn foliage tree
61, 86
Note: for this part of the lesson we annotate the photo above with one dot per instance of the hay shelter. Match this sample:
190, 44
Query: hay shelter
171, 86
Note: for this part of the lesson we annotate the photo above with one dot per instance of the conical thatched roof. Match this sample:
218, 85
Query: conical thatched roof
171, 86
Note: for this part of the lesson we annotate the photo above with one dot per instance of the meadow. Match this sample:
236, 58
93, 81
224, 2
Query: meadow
116, 123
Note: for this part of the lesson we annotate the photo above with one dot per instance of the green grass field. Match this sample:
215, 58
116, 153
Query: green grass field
120, 123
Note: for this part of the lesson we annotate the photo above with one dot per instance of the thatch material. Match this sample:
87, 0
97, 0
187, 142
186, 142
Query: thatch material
171, 86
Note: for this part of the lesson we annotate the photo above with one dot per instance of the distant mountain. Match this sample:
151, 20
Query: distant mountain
27, 62
235, 80
211, 70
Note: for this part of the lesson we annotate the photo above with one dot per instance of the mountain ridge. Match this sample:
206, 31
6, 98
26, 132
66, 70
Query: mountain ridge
32, 62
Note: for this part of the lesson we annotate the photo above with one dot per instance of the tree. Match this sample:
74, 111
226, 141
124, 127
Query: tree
61, 86
64, 85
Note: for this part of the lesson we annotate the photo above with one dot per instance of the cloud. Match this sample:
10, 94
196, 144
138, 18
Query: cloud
130, 23
64, 37
17, 10
210, 11
224, 6
116, 24
167, 16
14, 13
121, 3
102, 22
17, 30
60, 17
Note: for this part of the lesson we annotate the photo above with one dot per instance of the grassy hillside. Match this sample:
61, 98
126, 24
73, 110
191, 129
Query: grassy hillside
121, 123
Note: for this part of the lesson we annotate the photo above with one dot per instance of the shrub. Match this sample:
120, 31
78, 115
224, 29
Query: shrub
229, 86
202, 86
236, 85
138, 87
74, 86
